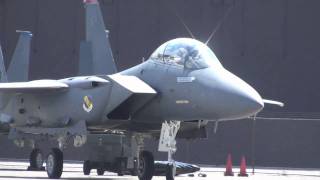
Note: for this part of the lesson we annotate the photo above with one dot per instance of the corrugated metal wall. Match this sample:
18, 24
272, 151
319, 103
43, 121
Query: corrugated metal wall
273, 45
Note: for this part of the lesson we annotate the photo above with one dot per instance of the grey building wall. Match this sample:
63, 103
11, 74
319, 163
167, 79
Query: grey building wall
273, 45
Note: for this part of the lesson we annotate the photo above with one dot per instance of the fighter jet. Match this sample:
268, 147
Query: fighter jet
182, 81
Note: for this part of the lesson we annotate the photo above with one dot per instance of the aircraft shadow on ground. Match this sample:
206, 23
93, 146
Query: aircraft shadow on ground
11, 170
71, 178
4, 169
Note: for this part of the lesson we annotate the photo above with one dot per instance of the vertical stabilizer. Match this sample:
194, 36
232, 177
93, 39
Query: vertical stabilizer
18, 70
98, 39
3, 79
3, 74
85, 62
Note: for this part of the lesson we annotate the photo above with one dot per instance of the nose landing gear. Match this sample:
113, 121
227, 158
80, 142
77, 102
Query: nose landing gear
171, 171
167, 143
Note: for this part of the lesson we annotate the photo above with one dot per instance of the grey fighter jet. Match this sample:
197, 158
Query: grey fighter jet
182, 81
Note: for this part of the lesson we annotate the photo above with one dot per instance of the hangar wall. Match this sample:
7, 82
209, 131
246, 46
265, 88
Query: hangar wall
273, 45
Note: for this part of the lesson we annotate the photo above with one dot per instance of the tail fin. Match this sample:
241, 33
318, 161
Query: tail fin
3, 79
85, 62
19, 65
3, 74
97, 46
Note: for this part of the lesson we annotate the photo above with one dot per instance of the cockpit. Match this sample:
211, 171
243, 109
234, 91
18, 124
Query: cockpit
188, 53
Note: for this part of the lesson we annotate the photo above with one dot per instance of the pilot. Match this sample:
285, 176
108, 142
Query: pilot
181, 53
192, 58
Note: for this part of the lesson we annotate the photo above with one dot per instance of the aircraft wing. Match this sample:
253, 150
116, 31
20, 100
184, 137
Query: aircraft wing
33, 86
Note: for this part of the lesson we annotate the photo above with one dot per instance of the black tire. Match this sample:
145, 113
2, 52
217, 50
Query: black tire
169, 172
146, 166
86, 167
100, 171
54, 165
133, 172
120, 166
36, 159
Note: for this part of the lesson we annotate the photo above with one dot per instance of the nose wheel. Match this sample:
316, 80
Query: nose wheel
54, 164
170, 171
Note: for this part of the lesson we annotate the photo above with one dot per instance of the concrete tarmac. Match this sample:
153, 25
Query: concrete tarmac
15, 170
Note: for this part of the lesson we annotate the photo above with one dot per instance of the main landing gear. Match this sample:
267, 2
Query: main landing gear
36, 161
146, 165
54, 164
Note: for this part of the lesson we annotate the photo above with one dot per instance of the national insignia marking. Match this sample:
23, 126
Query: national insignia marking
87, 104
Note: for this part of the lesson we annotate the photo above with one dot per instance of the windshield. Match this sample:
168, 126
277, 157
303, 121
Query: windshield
188, 53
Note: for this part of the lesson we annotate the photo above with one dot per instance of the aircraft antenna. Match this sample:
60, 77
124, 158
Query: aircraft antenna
253, 143
185, 25
216, 28
174, 10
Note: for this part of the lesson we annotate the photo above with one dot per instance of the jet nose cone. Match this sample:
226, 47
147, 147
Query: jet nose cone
245, 101
225, 96
251, 100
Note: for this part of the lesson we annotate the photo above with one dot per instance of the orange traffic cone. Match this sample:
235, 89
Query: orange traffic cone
243, 168
229, 166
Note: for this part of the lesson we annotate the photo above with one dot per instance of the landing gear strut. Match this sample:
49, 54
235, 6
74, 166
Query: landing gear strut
36, 161
54, 165
167, 143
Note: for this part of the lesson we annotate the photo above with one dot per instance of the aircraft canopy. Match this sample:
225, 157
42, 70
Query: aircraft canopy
186, 52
